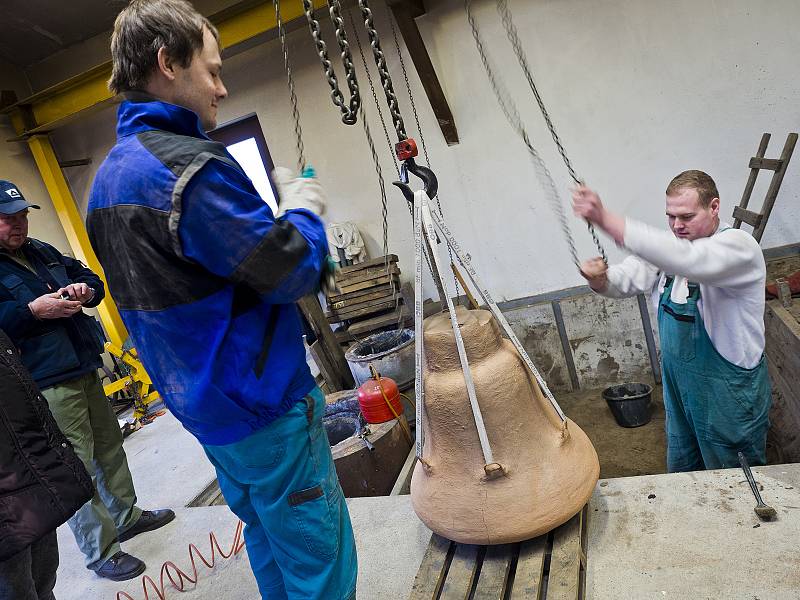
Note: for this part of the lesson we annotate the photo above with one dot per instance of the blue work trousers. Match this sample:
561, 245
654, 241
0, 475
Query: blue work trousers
281, 481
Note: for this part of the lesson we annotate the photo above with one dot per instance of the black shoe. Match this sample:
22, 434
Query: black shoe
150, 520
121, 567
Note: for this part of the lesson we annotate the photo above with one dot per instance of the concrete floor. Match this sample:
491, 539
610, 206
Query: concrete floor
677, 536
623, 451
169, 469
694, 536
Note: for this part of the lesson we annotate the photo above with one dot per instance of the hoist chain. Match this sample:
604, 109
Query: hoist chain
512, 115
298, 131
371, 141
383, 70
516, 43
421, 136
349, 113
375, 96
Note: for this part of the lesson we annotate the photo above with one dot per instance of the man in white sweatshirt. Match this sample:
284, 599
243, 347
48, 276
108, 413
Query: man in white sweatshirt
707, 281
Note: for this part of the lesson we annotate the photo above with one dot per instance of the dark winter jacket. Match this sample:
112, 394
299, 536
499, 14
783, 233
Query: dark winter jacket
42, 481
53, 350
204, 275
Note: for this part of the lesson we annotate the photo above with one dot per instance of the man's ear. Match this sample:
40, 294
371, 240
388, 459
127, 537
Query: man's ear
714, 206
166, 66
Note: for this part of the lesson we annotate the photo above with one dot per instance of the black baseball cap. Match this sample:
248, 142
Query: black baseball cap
11, 199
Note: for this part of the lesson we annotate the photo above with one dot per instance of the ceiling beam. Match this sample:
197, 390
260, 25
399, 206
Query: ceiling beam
88, 92
405, 11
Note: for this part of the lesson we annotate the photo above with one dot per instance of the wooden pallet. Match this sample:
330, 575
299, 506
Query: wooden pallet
552, 566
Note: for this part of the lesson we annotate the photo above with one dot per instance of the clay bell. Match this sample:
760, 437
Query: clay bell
545, 469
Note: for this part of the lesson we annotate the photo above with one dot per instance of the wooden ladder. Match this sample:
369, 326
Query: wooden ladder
758, 221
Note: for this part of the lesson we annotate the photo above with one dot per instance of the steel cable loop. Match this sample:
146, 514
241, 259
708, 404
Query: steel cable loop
513, 37
515, 120
298, 130
383, 71
350, 112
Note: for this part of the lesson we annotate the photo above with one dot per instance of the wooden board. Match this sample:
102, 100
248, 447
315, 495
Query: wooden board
552, 566
364, 309
380, 260
363, 296
370, 283
366, 275
783, 361
390, 319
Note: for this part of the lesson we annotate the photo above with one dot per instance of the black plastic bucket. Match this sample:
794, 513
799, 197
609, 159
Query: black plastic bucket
629, 403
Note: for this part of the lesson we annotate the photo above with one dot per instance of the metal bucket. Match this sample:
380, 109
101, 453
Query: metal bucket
392, 354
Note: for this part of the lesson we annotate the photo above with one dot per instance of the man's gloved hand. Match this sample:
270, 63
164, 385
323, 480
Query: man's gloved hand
327, 280
299, 192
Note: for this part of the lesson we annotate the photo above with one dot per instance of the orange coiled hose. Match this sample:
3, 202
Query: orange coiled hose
171, 571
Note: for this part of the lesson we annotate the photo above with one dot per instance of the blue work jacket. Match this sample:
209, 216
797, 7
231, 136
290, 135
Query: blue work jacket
205, 277
53, 350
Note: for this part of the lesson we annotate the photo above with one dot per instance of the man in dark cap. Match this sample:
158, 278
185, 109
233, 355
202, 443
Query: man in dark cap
42, 296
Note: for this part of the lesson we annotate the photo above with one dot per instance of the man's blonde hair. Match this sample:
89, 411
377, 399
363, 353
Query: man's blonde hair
145, 26
694, 180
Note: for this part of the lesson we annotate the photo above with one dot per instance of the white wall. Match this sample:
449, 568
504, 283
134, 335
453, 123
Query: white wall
16, 164
639, 90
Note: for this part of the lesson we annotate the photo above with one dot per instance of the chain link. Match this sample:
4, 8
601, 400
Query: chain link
512, 115
383, 70
349, 112
375, 98
372, 144
513, 37
457, 287
298, 131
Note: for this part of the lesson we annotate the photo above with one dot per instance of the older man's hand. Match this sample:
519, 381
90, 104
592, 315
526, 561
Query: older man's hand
77, 291
51, 306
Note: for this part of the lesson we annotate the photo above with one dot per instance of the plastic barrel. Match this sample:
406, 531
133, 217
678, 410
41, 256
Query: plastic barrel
629, 403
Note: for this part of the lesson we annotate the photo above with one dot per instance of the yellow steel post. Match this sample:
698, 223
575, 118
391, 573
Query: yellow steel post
75, 230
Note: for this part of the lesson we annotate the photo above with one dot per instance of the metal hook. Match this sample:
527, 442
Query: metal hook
428, 177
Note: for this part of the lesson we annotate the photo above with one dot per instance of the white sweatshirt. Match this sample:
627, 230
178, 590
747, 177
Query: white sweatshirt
730, 268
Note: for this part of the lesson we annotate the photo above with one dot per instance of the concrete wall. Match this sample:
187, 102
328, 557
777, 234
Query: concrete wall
16, 164
605, 341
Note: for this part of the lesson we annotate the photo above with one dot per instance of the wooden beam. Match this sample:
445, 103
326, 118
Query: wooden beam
405, 11
88, 92
333, 351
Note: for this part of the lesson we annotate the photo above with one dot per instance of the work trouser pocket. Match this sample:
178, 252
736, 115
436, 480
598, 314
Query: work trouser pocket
313, 510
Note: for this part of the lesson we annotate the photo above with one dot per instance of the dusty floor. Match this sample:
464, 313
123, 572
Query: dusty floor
623, 451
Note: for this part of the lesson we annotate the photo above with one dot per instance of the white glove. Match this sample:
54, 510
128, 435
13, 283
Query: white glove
298, 192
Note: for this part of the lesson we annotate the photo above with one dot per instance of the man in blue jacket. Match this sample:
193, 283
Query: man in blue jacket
206, 279
42, 295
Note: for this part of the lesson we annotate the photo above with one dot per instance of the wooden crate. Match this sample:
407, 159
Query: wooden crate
783, 360
552, 566
368, 300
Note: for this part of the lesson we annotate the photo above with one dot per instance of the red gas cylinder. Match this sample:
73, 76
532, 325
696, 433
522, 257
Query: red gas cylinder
373, 404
